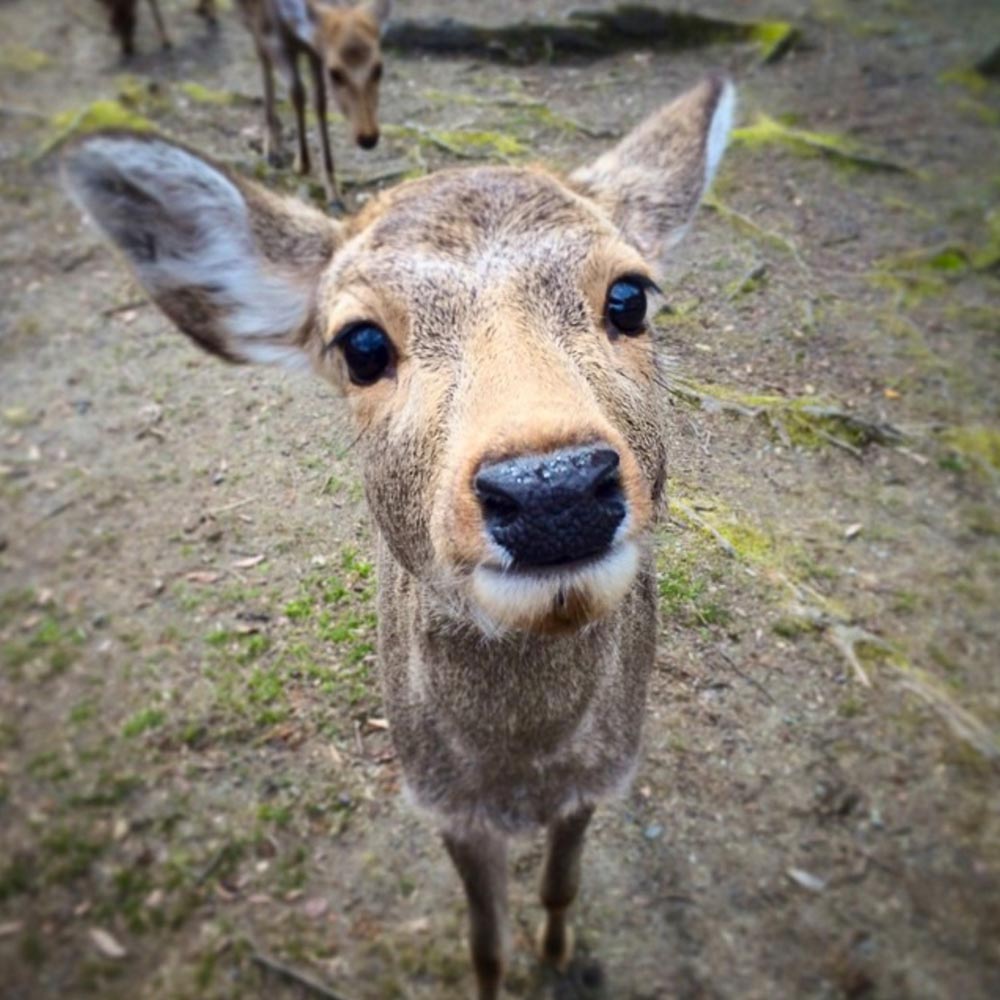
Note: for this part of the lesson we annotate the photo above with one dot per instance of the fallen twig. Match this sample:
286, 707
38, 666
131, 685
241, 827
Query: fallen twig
740, 673
294, 976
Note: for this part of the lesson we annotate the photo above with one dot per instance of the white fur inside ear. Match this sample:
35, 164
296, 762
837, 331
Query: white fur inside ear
718, 131
184, 225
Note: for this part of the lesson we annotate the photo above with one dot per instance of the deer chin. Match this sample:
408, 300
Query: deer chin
556, 600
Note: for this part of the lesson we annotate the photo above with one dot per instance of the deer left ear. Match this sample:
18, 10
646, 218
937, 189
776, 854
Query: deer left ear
234, 266
651, 182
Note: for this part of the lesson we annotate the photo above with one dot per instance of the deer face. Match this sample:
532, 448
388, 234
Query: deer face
488, 328
347, 40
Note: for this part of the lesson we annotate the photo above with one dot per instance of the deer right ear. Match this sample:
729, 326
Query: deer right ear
651, 182
234, 266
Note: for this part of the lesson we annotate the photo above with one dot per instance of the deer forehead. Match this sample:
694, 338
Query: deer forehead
476, 242
349, 37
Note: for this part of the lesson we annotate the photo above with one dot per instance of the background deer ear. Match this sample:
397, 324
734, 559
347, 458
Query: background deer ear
235, 267
380, 10
651, 182
299, 16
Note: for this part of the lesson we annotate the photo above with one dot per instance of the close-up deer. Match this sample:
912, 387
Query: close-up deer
490, 331
341, 45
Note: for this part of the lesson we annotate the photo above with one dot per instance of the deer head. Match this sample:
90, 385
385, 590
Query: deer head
346, 39
489, 329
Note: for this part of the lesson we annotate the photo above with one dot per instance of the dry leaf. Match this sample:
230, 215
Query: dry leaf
106, 943
315, 907
201, 576
806, 879
249, 562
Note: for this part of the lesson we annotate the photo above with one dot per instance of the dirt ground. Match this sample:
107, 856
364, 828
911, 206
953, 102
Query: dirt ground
195, 775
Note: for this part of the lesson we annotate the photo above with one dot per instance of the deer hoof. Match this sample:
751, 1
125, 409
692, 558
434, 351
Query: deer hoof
554, 944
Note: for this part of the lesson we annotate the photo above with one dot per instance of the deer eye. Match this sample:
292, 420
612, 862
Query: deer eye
338, 77
625, 308
367, 350
376, 73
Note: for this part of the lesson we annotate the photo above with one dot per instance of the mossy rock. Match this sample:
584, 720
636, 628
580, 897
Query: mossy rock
594, 33
95, 117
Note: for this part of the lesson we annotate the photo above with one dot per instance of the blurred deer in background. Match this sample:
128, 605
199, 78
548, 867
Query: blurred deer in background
341, 45
490, 331
123, 17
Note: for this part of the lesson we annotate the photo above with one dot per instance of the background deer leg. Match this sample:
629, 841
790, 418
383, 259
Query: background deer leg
206, 10
161, 28
480, 856
274, 151
319, 97
298, 95
560, 883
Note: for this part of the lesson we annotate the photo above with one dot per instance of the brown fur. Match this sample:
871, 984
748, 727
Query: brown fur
507, 711
341, 45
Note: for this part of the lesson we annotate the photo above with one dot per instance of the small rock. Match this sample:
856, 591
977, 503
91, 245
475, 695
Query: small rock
853, 530
653, 832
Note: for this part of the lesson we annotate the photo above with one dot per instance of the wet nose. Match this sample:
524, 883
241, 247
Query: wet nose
553, 508
368, 140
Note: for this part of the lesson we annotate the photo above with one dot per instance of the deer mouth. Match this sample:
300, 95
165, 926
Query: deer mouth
556, 598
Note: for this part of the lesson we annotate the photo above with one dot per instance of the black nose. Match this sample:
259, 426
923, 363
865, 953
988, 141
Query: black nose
553, 508
368, 141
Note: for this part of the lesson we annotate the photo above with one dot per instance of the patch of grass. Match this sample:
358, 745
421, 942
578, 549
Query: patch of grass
67, 854
278, 815
298, 609
143, 721
53, 641
683, 598
974, 446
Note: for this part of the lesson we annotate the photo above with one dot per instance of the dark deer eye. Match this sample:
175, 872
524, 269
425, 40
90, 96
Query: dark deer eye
367, 350
625, 309
339, 77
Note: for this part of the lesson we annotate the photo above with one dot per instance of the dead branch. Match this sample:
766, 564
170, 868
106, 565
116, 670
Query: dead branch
294, 976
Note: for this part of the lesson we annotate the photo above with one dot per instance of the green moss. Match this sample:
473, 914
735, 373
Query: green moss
465, 142
773, 38
201, 94
791, 626
803, 421
21, 59
842, 150
965, 76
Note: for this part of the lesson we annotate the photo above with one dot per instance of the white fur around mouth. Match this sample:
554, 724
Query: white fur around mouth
518, 598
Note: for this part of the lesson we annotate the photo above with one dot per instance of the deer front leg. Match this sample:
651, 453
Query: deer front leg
560, 884
480, 855
161, 28
319, 97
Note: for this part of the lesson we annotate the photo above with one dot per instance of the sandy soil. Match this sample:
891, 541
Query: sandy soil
194, 769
